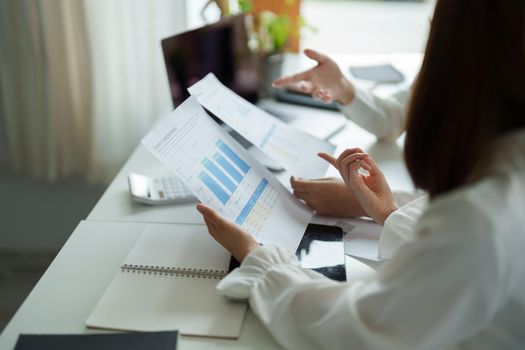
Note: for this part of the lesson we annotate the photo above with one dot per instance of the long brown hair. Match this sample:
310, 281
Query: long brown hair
470, 90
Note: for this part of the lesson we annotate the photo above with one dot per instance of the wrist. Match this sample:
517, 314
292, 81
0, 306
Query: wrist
245, 249
347, 92
386, 213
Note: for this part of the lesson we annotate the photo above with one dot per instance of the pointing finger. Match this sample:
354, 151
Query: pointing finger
295, 78
330, 159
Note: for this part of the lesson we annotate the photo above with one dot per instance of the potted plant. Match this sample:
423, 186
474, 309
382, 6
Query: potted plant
273, 28
276, 24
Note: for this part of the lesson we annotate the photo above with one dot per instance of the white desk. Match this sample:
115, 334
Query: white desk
73, 284
71, 287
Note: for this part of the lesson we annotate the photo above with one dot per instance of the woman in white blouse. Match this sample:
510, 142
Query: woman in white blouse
461, 280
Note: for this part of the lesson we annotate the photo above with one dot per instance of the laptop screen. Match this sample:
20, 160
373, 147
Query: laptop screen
220, 48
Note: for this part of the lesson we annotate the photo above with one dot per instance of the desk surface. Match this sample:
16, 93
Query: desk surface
77, 278
69, 290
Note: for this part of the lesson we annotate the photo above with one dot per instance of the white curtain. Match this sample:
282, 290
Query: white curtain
45, 96
82, 81
129, 78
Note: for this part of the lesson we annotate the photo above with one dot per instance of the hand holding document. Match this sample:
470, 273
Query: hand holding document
295, 150
225, 177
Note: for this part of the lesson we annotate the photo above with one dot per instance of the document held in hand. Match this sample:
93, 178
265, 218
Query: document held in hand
225, 177
294, 149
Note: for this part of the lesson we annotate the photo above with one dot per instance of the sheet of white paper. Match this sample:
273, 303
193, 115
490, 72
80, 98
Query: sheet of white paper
225, 177
362, 236
168, 245
295, 150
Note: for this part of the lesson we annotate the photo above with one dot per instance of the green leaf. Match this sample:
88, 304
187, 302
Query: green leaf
279, 30
245, 6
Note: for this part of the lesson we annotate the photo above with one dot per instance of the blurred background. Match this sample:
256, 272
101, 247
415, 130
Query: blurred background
82, 81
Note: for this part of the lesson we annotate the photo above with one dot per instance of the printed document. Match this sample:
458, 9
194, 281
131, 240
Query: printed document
224, 176
294, 149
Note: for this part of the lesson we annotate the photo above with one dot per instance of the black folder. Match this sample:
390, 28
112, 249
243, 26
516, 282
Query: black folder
106, 341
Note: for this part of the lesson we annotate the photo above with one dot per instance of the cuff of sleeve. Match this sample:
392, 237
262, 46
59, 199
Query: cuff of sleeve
401, 198
399, 227
238, 283
359, 109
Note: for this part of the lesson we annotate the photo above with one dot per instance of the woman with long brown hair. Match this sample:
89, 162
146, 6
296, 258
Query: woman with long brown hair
461, 280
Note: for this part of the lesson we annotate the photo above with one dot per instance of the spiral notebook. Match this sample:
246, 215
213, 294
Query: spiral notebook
167, 282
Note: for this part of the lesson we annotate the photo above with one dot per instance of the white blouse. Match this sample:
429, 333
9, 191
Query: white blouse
456, 277
384, 118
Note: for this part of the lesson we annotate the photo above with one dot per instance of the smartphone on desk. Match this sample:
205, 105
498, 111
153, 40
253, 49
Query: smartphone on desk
161, 190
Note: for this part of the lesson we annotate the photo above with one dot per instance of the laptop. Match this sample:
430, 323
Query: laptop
222, 48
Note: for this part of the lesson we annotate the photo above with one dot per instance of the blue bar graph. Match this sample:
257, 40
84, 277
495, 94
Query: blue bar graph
214, 187
233, 156
251, 202
228, 167
215, 171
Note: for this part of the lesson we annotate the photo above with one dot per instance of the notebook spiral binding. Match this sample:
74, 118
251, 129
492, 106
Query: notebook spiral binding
174, 271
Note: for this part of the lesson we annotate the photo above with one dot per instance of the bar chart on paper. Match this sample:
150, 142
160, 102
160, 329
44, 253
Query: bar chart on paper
223, 176
235, 167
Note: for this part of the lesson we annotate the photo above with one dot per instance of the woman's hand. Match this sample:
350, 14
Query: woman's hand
329, 196
324, 82
231, 236
371, 190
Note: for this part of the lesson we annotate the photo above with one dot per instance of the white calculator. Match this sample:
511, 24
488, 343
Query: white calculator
162, 190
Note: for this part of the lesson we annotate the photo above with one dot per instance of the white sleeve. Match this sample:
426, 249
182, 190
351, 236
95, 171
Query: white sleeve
402, 198
420, 300
384, 118
400, 226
